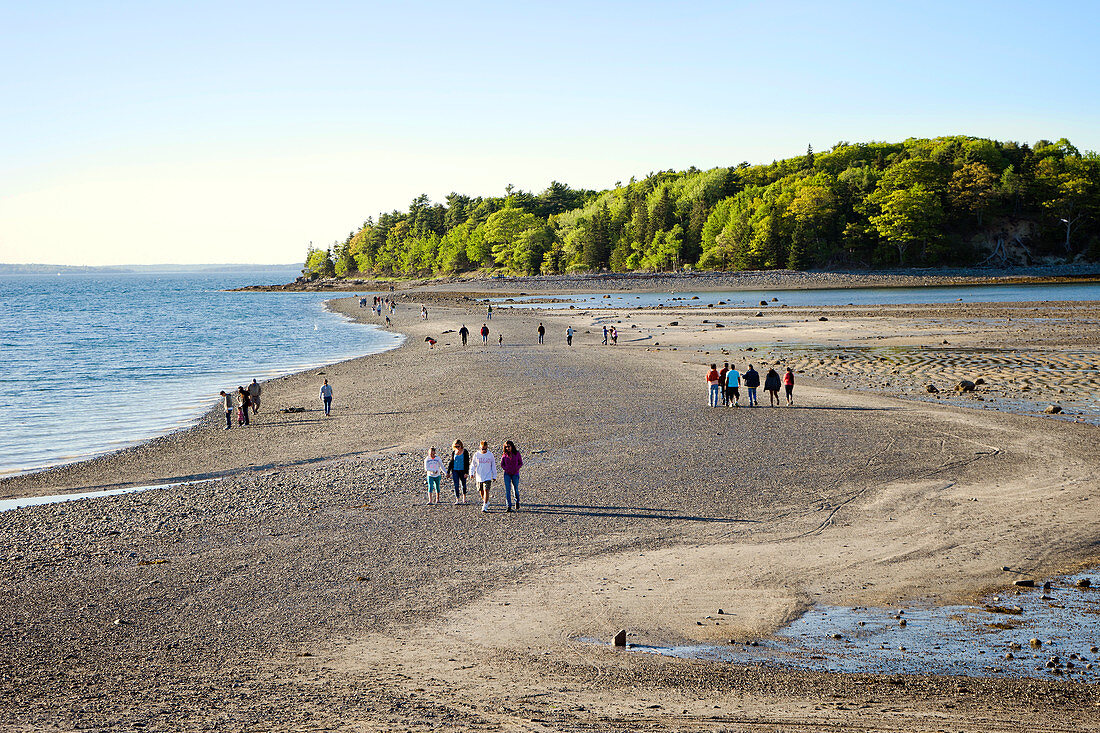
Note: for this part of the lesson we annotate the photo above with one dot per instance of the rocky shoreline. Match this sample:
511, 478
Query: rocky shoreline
749, 280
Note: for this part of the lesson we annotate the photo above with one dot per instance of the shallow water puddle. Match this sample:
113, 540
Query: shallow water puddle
976, 641
9, 504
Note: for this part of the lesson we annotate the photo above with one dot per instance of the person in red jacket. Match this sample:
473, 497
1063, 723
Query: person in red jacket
510, 463
788, 386
714, 382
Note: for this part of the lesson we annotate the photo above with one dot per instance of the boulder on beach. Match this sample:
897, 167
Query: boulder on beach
620, 638
1053, 409
965, 386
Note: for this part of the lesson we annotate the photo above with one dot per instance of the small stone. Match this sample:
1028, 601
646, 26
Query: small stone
1009, 656
837, 636
1046, 585
1035, 643
763, 302
1084, 583
1005, 568
965, 386
823, 318
931, 389
620, 638
902, 622
1094, 649
759, 314
720, 612
1024, 583
1053, 409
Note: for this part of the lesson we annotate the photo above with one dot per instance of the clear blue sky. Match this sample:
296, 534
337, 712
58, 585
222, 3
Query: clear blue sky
237, 132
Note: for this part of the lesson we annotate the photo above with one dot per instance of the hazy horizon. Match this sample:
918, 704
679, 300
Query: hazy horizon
242, 133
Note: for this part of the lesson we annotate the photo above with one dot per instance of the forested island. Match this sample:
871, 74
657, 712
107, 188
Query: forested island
945, 201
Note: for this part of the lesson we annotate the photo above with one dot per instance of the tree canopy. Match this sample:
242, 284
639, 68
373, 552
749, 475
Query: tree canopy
921, 202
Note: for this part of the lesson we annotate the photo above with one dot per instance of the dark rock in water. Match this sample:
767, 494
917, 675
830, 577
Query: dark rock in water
837, 636
1094, 649
620, 638
1053, 409
965, 386
1046, 585
763, 302
1084, 583
1035, 643
1024, 583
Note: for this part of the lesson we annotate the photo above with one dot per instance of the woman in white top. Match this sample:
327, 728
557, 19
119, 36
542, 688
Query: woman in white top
433, 466
484, 467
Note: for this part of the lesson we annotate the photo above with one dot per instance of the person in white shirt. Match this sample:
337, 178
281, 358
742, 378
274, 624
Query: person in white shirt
228, 404
433, 466
484, 468
326, 397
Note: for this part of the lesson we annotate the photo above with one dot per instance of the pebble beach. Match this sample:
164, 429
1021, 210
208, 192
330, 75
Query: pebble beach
304, 585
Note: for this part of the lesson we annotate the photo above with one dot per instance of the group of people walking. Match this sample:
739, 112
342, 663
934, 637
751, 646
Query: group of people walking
724, 385
241, 401
483, 465
390, 304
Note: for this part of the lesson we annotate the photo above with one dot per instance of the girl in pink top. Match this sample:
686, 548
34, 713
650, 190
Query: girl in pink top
788, 386
510, 463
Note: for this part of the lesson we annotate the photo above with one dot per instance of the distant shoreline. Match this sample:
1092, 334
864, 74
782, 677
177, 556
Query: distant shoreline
715, 280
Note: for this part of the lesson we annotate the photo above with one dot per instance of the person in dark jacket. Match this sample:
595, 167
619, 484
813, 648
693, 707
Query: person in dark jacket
243, 405
771, 386
752, 381
458, 467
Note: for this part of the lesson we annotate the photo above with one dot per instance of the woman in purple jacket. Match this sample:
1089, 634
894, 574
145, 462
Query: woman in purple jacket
510, 462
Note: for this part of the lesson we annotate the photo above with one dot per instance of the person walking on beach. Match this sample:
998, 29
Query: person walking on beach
771, 386
510, 463
752, 381
722, 382
242, 406
484, 334
500, 339
458, 468
485, 470
569, 336
423, 312
542, 332
489, 313
254, 394
614, 336
733, 384
227, 405
433, 466
464, 333
714, 389
605, 335
326, 397
788, 386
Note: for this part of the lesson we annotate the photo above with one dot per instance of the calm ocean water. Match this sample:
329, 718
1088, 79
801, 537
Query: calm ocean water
92, 363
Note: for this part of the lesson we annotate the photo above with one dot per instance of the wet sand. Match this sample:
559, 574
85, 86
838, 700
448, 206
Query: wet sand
311, 589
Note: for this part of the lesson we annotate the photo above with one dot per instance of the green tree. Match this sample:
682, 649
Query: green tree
319, 263
909, 215
972, 189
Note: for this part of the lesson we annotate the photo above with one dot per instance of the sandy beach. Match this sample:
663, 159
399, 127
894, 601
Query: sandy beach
309, 588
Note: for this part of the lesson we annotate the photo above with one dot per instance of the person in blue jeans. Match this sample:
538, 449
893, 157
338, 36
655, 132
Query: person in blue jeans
326, 396
458, 468
752, 381
714, 386
510, 463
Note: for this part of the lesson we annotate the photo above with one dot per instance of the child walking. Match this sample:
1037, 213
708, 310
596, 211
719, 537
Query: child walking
433, 466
